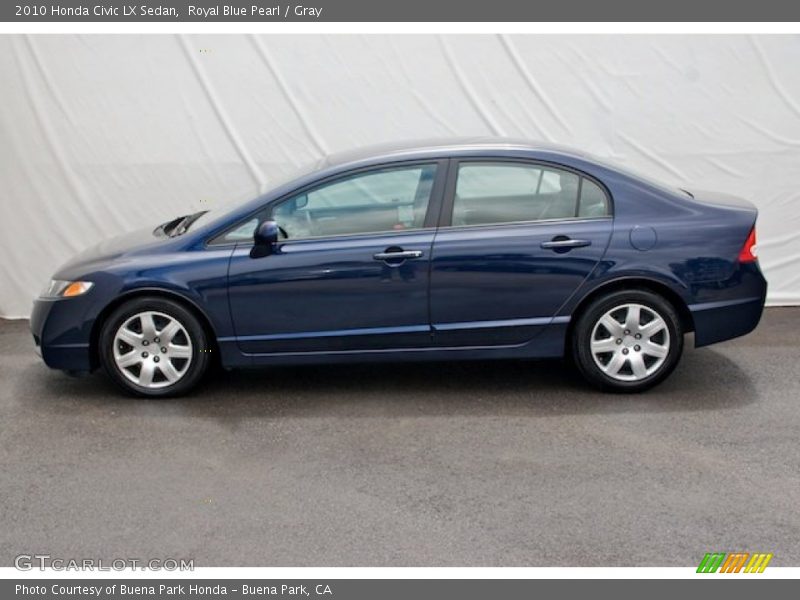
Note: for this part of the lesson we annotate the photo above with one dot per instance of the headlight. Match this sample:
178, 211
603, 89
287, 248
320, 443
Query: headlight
66, 289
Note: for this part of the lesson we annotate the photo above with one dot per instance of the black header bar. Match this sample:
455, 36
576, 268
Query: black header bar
400, 11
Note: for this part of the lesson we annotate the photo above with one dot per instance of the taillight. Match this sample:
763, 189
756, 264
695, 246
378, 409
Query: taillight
748, 252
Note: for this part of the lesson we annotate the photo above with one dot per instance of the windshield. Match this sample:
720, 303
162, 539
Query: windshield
180, 225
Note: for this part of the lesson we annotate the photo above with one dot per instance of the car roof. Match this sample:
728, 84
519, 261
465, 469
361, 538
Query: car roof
334, 164
464, 146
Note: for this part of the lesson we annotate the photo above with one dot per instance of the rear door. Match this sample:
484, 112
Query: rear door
517, 239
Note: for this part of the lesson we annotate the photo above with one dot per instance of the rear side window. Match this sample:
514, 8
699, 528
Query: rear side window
593, 202
489, 193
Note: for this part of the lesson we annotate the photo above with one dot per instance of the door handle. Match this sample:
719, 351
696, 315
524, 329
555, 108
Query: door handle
398, 255
564, 244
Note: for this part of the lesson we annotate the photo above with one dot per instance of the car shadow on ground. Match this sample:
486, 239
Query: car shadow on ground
705, 379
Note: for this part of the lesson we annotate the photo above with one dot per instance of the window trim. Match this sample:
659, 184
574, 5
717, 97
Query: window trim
432, 214
446, 220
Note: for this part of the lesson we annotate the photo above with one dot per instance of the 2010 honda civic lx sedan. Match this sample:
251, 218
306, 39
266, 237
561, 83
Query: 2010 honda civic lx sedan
472, 249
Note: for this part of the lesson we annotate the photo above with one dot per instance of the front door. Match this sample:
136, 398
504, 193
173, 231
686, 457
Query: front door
351, 270
521, 238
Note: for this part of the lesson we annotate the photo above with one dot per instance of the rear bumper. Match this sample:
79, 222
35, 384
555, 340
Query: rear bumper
725, 319
61, 337
717, 322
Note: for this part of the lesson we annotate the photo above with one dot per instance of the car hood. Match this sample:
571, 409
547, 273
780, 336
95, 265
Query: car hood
110, 249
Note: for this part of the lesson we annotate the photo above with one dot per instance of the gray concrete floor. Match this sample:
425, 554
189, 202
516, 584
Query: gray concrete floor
492, 463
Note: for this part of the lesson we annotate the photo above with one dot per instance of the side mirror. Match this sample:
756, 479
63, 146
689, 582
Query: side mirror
264, 239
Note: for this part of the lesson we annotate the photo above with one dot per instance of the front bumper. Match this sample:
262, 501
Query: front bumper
62, 333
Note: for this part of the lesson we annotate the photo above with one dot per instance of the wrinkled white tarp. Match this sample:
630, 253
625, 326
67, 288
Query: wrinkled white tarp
104, 134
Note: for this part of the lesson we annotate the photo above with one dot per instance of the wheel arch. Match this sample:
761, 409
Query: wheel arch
205, 322
634, 283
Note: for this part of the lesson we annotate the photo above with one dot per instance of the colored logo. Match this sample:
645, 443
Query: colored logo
735, 562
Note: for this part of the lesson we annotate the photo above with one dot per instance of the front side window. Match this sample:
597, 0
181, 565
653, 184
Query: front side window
491, 193
394, 199
391, 199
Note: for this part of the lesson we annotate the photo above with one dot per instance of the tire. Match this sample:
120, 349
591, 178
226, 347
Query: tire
607, 351
154, 347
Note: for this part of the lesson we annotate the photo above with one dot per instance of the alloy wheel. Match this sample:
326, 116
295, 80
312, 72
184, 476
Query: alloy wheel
630, 342
152, 350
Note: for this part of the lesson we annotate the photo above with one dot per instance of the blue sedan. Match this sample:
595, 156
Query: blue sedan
455, 250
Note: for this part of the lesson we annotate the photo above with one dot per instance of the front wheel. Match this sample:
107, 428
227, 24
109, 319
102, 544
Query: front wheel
154, 347
627, 341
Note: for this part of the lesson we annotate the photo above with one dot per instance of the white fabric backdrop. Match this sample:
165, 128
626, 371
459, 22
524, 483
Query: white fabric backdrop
103, 134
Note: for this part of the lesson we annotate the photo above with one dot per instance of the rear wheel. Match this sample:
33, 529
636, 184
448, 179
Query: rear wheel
627, 341
154, 347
